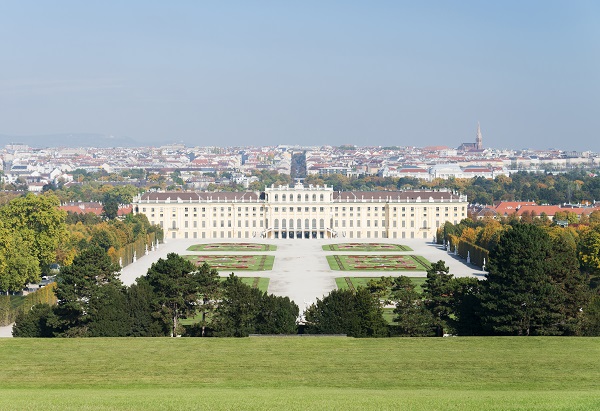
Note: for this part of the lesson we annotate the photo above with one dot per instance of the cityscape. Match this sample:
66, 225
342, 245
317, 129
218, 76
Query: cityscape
300, 205
204, 167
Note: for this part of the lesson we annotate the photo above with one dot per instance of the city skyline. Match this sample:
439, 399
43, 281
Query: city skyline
234, 74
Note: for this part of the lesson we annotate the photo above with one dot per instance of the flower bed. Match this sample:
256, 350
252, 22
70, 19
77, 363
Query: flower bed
234, 262
232, 247
366, 247
377, 263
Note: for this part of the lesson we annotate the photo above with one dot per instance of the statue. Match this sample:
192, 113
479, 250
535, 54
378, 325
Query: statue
468, 257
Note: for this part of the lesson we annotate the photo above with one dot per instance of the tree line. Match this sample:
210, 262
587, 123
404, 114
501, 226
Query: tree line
35, 235
92, 302
534, 286
575, 186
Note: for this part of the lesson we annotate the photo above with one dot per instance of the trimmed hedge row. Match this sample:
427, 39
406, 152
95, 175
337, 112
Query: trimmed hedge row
137, 248
11, 306
477, 254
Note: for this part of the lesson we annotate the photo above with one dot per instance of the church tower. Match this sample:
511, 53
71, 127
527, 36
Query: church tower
478, 139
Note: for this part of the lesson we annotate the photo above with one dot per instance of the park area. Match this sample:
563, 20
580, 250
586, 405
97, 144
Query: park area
234, 262
377, 263
232, 247
362, 247
421, 374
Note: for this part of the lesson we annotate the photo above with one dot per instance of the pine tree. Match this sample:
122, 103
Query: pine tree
79, 285
413, 319
517, 298
177, 286
357, 314
438, 295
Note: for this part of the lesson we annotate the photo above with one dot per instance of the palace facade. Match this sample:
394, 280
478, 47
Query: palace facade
302, 212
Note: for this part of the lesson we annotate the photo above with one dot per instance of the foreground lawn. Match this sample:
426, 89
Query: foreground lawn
234, 262
342, 282
366, 247
301, 373
381, 262
232, 247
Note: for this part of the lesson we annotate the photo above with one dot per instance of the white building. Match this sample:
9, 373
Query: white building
302, 212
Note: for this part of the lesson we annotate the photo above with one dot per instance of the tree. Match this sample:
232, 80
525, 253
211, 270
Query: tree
517, 297
277, 315
140, 305
591, 318
465, 306
110, 206
244, 310
589, 250
210, 287
357, 314
40, 224
176, 283
236, 313
18, 266
571, 285
35, 323
109, 316
413, 319
438, 295
79, 287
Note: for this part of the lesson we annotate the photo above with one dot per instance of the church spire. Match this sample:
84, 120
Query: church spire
479, 138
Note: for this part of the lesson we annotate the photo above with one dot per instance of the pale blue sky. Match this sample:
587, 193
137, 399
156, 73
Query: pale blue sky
312, 72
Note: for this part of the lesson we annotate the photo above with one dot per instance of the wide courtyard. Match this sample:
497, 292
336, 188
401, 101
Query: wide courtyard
300, 268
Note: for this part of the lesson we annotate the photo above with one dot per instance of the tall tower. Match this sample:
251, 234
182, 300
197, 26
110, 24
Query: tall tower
479, 138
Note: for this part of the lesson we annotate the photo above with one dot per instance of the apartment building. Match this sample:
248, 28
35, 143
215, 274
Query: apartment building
302, 212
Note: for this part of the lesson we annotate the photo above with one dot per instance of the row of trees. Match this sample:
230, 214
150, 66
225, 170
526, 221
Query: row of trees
92, 302
572, 187
36, 234
534, 287
32, 231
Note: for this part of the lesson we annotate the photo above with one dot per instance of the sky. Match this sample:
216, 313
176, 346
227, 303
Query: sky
226, 73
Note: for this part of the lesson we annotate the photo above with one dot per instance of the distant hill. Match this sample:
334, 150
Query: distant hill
69, 140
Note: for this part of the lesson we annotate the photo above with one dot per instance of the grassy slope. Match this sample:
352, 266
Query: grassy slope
301, 373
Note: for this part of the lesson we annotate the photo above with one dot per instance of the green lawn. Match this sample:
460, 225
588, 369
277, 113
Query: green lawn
232, 247
504, 373
342, 283
234, 262
366, 247
382, 262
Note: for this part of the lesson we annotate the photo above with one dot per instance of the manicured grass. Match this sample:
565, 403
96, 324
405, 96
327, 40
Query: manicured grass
232, 247
382, 262
366, 247
525, 373
342, 282
234, 262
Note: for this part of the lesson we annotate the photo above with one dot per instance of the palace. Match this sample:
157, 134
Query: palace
302, 212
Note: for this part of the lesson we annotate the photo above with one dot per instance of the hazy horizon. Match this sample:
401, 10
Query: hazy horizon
312, 73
